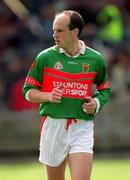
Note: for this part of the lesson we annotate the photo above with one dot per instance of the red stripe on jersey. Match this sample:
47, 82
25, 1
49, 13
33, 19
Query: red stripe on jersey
103, 86
32, 81
74, 85
69, 75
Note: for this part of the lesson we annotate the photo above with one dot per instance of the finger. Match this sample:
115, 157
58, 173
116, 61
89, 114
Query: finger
88, 98
57, 95
58, 91
56, 100
84, 110
90, 106
60, 86
91, 111
88, 109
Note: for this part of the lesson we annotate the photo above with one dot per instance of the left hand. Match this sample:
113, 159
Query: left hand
90, 105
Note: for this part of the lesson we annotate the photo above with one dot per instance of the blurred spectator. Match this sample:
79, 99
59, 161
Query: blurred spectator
87, 12
14, 76
127, 6
110, 25
8, 27
46, 13
127, 27
120, 74
17, 102
2, 89
34, 6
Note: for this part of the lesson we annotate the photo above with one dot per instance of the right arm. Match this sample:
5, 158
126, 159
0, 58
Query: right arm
35, 95
32, 89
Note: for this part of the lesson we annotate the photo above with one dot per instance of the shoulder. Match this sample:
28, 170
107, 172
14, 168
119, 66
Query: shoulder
47, 51
45, 54
96, 55
94, 52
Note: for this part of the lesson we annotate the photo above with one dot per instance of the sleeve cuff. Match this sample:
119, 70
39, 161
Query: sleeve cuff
98, 105
27, 95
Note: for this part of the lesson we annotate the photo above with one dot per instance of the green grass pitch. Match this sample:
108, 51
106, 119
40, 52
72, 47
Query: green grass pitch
102, 170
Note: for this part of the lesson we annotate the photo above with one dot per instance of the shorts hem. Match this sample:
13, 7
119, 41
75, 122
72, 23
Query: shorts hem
90, 152
49, 164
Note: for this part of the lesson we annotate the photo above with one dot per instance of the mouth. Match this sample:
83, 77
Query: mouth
57, 41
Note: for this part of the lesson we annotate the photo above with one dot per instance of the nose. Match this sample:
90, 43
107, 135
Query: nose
54, 34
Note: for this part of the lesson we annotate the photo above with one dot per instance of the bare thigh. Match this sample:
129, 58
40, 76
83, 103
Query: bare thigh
56, 173
80, 165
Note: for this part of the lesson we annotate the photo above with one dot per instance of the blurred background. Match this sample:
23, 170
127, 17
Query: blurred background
25, 30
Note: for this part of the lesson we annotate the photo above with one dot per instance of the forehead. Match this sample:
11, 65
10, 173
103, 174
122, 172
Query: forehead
61, 21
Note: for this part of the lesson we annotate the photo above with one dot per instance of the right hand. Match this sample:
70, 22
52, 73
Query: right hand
90, 105
56, 95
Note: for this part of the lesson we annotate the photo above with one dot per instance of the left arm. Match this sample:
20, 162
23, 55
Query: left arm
94, 104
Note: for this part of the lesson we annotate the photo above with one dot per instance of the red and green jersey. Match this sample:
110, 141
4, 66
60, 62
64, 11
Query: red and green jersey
76, 75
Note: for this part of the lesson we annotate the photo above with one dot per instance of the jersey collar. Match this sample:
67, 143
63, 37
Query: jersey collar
81, 51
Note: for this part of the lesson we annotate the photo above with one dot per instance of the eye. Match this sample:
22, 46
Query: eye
58, 30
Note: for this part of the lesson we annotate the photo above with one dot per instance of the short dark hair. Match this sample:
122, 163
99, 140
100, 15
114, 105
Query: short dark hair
76, 20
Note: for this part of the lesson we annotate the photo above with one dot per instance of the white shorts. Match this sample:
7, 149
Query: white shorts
60, 137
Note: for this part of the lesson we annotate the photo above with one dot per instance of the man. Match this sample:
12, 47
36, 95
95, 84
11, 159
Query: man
61, 80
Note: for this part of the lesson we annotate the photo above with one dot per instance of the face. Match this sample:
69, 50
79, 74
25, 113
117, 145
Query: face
62, 35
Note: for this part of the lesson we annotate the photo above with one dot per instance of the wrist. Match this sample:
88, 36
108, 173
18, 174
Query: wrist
46, 96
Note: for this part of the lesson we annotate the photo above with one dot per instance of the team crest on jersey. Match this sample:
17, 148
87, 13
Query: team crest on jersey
85, 67
58, 65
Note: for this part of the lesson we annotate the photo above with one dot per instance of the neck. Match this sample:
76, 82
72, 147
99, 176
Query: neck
73, 49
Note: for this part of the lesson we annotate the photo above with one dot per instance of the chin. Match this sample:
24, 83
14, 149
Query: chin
59, 46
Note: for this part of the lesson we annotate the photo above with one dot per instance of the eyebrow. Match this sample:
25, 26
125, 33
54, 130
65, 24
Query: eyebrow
60, 29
